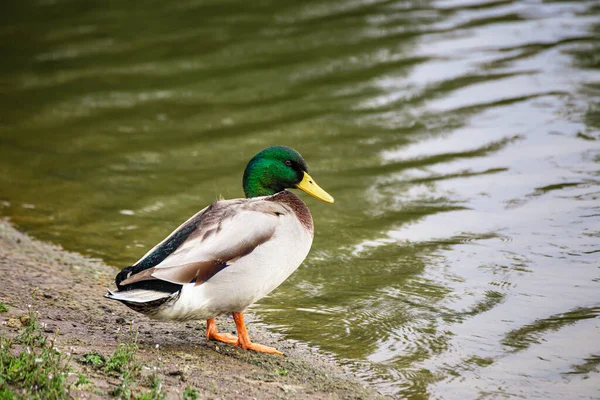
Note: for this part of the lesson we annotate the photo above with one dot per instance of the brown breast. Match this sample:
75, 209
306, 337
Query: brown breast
295, 204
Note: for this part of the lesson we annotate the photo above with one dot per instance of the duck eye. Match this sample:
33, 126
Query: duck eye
288, 163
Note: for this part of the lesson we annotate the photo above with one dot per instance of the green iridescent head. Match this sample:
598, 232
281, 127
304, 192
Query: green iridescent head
278, 168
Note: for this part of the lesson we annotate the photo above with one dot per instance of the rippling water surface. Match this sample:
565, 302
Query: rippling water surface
461, 140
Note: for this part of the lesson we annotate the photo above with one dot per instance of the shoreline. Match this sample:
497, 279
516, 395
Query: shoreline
69, 291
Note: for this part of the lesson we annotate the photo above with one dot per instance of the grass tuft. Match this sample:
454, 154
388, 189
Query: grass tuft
3, 308
155, 393
123, 363
123, 359
94, 359
190, 394
82, 380
31, 367
31, 364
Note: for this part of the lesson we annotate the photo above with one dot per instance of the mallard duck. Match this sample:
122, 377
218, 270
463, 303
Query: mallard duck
230, 254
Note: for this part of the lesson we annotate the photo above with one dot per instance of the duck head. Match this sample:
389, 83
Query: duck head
278, 168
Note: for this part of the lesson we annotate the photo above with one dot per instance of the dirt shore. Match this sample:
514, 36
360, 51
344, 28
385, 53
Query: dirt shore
69, 291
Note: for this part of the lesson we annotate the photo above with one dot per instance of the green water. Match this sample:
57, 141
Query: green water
460, 139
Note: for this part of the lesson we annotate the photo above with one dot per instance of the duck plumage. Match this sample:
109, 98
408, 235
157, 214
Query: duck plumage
223, 259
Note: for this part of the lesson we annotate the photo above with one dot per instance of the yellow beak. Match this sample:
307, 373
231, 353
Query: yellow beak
309, 186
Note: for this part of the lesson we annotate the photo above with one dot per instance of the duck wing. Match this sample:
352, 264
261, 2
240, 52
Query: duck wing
207, 243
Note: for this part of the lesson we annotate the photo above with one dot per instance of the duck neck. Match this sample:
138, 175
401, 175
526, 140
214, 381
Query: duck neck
258, 183
253, 189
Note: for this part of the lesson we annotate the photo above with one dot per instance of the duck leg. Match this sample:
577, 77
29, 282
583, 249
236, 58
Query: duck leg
212, 332
244, 341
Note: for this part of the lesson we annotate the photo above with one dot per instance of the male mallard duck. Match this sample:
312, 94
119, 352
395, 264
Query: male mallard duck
230, 254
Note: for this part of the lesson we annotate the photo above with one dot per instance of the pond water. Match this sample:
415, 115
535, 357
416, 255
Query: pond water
461, 140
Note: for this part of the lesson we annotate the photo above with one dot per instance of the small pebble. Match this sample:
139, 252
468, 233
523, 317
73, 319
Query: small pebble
105, 308
13, 323
177, 372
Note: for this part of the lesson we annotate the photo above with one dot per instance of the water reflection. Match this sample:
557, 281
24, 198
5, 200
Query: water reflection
460, 139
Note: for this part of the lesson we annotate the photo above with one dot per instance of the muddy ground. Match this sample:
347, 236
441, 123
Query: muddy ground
69, 297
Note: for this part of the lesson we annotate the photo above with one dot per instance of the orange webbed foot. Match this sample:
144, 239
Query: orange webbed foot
258, 347
212, 333
243, 339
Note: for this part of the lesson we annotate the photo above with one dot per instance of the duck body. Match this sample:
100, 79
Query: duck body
234, 253
230, 254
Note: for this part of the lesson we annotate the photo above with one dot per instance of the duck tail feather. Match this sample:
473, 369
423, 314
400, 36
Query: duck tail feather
137, 295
